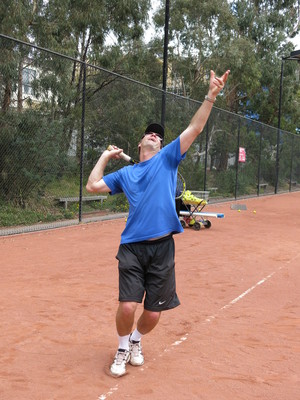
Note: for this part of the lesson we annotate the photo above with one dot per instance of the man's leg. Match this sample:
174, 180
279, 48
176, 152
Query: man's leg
125, 317
125, 320
124, 324
147, 321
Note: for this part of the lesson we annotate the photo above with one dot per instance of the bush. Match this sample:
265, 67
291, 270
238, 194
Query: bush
30, 156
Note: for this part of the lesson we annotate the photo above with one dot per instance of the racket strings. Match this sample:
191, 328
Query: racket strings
180, 186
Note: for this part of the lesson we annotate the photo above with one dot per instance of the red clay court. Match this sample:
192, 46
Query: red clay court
235, 335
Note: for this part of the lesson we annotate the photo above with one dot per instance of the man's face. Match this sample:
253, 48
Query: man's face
150, 141
154, 138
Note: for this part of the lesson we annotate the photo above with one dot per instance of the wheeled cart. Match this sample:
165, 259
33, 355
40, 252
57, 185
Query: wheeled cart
190, 210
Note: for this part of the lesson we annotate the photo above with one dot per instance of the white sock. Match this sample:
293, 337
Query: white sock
124, 342
136, 336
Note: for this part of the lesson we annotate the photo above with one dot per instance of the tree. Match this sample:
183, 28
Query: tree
14, 20
249, 37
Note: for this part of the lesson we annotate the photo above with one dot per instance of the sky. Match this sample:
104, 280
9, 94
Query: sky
150, 31
296, 42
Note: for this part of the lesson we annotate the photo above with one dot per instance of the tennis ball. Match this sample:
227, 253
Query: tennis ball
254, 211
239, 210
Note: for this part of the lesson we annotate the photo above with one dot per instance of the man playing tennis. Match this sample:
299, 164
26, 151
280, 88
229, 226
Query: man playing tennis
146, 252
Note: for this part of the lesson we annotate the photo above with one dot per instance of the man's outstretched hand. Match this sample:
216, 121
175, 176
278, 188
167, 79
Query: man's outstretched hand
216, 84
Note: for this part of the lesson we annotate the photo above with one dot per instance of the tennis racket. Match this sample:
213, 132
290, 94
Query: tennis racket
180, 186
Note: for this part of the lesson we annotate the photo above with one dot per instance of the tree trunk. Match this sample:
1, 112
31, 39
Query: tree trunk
7, 96
20, 86
85, 47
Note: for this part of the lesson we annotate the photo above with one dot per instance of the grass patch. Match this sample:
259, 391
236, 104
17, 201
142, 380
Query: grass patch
11, 215
43, 207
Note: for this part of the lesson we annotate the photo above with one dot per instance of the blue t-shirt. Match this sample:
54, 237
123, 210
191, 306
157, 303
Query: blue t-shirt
150, 189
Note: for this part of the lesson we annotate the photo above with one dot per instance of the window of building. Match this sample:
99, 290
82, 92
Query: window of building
29, 75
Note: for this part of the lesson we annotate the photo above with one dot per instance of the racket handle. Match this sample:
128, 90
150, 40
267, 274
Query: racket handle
124, 156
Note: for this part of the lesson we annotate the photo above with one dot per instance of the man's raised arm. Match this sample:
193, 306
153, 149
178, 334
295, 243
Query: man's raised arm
200, 118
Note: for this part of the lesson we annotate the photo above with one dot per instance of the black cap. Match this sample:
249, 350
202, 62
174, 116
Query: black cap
156, 128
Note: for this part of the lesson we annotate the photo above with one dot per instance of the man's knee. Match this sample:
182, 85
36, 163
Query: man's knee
127, 308
152, 316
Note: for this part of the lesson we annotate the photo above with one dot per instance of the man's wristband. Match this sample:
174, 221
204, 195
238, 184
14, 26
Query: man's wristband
209, 99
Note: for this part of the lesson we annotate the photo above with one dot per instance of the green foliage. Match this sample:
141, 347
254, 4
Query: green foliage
225, 182
31, 158
249, 38
193, 173
13, 215
117, 203
247, 179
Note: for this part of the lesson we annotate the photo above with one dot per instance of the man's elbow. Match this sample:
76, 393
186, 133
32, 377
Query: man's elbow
90, 188
196, 129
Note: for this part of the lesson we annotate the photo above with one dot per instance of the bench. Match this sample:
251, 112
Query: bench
262, 186
67, 200
213, 189
294, 183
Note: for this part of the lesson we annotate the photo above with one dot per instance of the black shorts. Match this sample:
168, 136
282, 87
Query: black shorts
148, 268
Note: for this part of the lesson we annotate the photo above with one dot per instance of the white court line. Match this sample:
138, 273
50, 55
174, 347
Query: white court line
232, 302
208, 320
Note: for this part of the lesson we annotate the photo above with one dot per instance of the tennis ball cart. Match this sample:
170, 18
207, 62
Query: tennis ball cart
190, 210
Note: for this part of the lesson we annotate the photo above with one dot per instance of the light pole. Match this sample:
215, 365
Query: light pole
294, 55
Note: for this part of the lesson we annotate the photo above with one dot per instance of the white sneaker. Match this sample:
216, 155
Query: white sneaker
136, 356
118, 367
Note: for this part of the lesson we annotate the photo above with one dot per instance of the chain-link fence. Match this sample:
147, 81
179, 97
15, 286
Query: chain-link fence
58, 115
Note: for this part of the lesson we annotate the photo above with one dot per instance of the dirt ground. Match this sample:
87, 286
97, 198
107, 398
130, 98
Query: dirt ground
235, 335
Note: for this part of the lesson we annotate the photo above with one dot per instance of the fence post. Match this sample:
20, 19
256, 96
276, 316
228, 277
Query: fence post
291, 167
237, 160
259, 162
82, 140
165, 63
278, 130
206, 156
